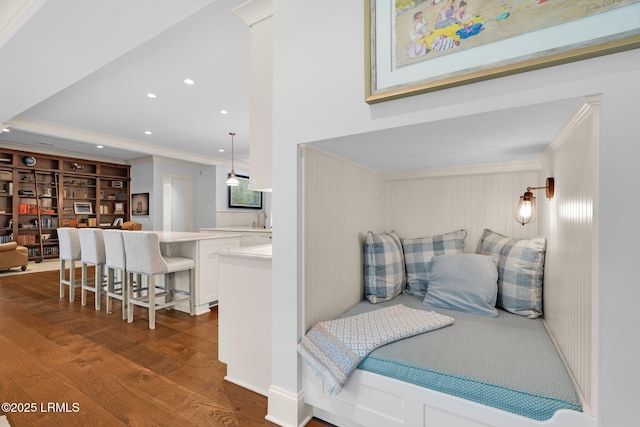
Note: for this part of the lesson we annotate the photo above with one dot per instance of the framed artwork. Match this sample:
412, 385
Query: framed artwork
118, 208
242, 197
140, 204
417, 46
82, 208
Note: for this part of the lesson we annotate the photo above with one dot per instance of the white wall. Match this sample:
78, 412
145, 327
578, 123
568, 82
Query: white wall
341, 203
568, 222
319, 94
427, 206
142, 182
146, 177
222, 197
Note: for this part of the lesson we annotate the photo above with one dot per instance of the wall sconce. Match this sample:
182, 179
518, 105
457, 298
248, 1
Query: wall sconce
232, 181
525, 211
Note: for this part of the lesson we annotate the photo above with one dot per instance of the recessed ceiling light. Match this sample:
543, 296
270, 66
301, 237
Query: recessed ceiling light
224, 112
221, 150
188, 81
147, 132
6, 130
100, 146
151, 95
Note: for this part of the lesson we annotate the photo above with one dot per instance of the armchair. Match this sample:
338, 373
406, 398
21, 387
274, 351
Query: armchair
12, 255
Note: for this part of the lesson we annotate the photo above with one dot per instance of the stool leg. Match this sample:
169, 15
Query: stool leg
125, 294
192, 293
129, 305
83, 298
152, 302
110, 280
97, 280
72, 281
62, 276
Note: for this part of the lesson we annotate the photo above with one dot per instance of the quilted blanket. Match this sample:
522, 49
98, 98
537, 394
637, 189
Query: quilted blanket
335, 348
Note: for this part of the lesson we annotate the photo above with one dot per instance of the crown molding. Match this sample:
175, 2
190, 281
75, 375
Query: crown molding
14, 14
63, 153
80, 135
254, 11
482, 169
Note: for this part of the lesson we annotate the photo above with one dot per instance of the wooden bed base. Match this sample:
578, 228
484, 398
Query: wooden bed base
372, 400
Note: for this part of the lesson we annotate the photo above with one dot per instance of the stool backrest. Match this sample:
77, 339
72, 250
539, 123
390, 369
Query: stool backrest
92, 244
114, 249
142, 250
69, 243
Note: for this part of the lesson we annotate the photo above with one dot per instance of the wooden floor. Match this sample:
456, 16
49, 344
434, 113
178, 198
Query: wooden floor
75, 366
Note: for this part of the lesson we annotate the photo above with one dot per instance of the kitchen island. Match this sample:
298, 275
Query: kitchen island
203, 248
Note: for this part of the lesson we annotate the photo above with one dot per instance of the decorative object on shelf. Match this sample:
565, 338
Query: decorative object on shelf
117, 184
525, 211
140, 204
118, 208
241, 197
410, 51
76, 167
29, 161
82, 208
232, 181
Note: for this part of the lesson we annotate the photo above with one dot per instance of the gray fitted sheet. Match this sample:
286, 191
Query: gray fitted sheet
508, 362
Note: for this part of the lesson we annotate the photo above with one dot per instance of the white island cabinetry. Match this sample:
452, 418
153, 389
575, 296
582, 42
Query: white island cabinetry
203, 248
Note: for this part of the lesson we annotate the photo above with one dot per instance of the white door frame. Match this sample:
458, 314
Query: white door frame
186, 207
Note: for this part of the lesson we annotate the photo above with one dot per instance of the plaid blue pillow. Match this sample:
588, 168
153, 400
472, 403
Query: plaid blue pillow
418, 254
383, 267
520, 272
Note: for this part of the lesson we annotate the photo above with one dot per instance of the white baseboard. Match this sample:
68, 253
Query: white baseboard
287, 409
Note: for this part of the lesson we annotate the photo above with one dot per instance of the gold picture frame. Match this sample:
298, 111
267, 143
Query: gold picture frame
444, 57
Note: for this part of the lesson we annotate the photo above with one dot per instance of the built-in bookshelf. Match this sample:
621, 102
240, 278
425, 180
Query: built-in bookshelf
39, 193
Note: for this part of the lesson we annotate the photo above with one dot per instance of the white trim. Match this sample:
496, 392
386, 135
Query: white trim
22, 10
88, 137
64, 153
254, 11
589, 105
515, 166
310, 148
287, 409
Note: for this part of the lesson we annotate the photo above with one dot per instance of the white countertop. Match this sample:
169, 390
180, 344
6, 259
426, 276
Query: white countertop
238, 229
185, 236
260, 252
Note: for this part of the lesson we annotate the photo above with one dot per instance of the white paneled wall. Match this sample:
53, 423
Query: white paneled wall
569, 223
341, 202
426, 206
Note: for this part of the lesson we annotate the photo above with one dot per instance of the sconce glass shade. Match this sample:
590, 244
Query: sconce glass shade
525, 211
232, 181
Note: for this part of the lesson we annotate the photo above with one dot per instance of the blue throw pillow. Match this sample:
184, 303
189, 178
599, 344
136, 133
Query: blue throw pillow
465, 282
418, 253
520, 271
384, 273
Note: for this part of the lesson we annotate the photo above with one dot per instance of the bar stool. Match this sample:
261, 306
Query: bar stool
92, 246
69, 250
143, 256
116, 265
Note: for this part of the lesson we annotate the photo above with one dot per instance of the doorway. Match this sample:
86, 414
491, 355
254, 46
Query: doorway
177, 211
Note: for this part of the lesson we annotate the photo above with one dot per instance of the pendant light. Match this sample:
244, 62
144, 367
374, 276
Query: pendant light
232, 181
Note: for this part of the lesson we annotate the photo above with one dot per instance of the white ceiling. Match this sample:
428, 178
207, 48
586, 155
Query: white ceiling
77, 73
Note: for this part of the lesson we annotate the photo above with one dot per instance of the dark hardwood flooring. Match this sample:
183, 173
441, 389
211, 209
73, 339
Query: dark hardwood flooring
101, 371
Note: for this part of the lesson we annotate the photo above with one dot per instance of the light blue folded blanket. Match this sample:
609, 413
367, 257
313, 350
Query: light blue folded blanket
335, 348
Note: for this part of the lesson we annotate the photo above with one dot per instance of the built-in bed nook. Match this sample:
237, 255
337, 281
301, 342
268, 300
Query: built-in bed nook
510, 338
